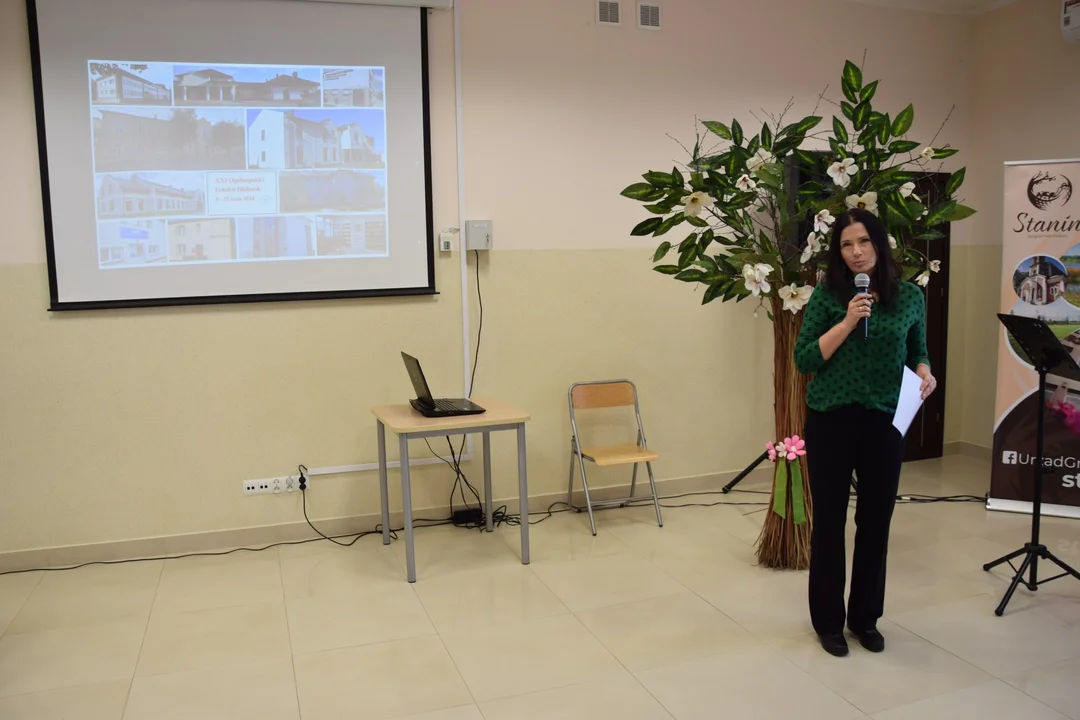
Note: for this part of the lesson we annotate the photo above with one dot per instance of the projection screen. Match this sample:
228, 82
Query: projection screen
211, 151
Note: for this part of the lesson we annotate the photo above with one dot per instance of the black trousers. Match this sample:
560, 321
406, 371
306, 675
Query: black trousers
851, 439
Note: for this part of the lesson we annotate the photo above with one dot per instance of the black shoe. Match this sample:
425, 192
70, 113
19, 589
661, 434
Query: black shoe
870, 639
834, 644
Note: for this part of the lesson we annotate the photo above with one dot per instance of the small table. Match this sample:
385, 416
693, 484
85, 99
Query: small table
408, 424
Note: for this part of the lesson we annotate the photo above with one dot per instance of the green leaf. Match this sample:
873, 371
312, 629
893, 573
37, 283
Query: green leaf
736, 132
806, 158
677, 178
930, 235
643, 191
852, 77
960, 212
658, 209
807, 124
955, 181
786, 145
860, 115
903, 121
867, 93
883, 131
718, 128
676, 219
661, 251
940, 213
647, 227
667, 269
944, 153
766, 136
715, 290
836, 148
839, 131
848, 109
691, 275
753, 145
696, 221
659, 179
902, 146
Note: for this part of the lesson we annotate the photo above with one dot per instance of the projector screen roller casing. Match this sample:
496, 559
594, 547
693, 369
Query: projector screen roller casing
217, 151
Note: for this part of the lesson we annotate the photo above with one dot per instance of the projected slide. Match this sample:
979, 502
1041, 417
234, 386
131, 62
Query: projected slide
202, 163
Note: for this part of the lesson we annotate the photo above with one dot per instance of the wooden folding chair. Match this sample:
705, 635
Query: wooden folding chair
608, 394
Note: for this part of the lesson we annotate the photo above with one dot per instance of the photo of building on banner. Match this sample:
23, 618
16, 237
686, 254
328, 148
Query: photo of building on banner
1040, 279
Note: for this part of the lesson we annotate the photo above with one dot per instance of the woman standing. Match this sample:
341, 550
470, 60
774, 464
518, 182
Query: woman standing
851, 399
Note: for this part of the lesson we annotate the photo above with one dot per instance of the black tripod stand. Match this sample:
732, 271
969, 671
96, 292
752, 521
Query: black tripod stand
1047, 354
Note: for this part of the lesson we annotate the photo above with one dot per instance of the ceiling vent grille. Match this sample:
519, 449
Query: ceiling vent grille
649, 16
607, 12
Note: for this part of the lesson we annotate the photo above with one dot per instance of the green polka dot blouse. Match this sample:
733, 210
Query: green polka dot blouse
862, 371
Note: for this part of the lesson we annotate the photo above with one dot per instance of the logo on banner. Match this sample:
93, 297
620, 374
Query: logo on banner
1046, 190
1009, 457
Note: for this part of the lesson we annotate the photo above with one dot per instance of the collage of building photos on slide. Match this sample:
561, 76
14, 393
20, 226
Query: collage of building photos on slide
237, 163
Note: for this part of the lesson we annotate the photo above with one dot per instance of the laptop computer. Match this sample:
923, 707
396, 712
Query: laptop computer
431, 407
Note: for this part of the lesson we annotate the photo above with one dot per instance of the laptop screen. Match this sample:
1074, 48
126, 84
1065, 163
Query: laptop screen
420, 386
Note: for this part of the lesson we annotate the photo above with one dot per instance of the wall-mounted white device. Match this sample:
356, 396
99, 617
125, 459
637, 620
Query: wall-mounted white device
478, 235
1070, 21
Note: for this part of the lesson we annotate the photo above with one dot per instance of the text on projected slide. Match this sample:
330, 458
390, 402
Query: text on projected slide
204, 163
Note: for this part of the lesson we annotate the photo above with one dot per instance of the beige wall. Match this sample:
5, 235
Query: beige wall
143, 423
1025, 106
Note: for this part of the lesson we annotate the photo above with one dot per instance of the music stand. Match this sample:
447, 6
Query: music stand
1047, 355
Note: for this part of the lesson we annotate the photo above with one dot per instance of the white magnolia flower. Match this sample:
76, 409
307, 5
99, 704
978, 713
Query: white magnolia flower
694, 203
842, 170
756, 278
927, 153
823, 222
923, 280
906, 189
935, 266
892, 242
794, 297
723, 170
813, 247
759, 158
866, 201
745, 184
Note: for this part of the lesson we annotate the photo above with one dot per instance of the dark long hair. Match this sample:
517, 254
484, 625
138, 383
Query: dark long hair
885, 277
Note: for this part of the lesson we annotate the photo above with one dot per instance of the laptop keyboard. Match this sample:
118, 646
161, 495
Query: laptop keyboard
445, 405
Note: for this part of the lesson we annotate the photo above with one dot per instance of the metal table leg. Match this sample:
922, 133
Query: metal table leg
487, 480
523, 494
384, 490
406, 508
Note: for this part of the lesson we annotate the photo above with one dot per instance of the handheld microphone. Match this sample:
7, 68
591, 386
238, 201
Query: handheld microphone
862, 282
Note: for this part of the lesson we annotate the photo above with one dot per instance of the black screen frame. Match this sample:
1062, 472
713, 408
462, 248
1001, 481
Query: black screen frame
55, 304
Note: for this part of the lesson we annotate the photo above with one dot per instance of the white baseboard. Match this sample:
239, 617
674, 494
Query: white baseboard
259, 536
971, 450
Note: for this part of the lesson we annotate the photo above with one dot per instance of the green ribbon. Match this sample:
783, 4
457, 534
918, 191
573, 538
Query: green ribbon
798, 501
780, 489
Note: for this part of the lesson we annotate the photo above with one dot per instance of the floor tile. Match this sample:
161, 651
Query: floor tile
14, 590
329, 622
1021, 640
990, 701
204, 583
259, 691
752, 684
1054, 685
644, 634
617, 695
101, 701
389, 680
89, 596
66, 657
594, 583
497, 596
204, 639
503, 661
909, 670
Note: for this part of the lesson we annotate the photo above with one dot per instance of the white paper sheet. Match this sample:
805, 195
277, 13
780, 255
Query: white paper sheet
910, 401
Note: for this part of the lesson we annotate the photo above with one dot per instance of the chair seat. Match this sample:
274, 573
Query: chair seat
618, 454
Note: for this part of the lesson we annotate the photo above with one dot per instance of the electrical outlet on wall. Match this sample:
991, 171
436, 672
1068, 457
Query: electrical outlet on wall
271, 486
446, 241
